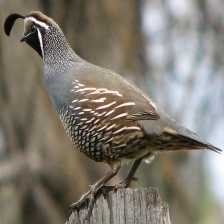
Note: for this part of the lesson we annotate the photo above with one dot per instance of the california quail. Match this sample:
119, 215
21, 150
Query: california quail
107, 118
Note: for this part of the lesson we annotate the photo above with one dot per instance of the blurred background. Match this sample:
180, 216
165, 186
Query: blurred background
172, 49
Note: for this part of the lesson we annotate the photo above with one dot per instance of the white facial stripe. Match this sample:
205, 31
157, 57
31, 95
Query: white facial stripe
40, 23
41, 42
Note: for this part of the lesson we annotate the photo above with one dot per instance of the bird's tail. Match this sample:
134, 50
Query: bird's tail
213, 148
182, 142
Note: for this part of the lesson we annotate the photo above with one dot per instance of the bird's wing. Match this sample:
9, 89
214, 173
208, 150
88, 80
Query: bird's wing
103, 87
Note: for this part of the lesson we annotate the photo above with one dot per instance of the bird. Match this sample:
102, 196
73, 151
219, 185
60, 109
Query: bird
107, 118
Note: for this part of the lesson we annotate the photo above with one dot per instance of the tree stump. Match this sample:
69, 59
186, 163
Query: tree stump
125, 206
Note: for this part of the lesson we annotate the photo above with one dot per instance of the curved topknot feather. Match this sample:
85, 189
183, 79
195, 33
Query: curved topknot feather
9, 22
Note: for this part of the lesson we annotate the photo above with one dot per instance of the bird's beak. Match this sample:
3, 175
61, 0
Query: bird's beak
27, 36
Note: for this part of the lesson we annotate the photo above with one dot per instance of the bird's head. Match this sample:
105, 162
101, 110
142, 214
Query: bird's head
37, 27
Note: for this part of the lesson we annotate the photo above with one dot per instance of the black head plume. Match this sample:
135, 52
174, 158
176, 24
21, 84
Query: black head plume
9, 22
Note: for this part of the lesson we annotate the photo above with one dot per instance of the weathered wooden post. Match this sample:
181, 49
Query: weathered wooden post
126, 206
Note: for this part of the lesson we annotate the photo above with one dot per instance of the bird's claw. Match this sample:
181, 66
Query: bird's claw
81, 201
89, 197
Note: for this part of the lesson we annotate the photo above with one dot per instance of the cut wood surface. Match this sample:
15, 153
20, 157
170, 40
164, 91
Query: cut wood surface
125, 206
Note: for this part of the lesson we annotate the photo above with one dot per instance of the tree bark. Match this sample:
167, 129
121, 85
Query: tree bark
125, 206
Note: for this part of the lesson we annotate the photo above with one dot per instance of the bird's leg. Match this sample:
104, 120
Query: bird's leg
127, 181
94, 189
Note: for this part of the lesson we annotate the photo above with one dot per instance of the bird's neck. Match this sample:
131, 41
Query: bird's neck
58, 56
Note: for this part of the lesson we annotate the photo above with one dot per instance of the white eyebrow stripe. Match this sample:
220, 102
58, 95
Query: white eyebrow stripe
125, 104
40, 23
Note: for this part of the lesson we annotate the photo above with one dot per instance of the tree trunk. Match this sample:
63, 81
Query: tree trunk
125, 206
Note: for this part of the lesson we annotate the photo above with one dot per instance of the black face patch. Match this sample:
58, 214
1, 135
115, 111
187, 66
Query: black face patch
33, 40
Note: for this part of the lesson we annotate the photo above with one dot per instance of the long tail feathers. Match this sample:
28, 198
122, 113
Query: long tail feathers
198, 144
173, 142
213, 148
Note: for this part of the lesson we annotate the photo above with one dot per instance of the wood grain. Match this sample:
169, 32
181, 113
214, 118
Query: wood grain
126, 206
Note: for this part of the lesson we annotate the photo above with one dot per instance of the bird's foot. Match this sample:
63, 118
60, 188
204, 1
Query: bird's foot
90, 198
81, 201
